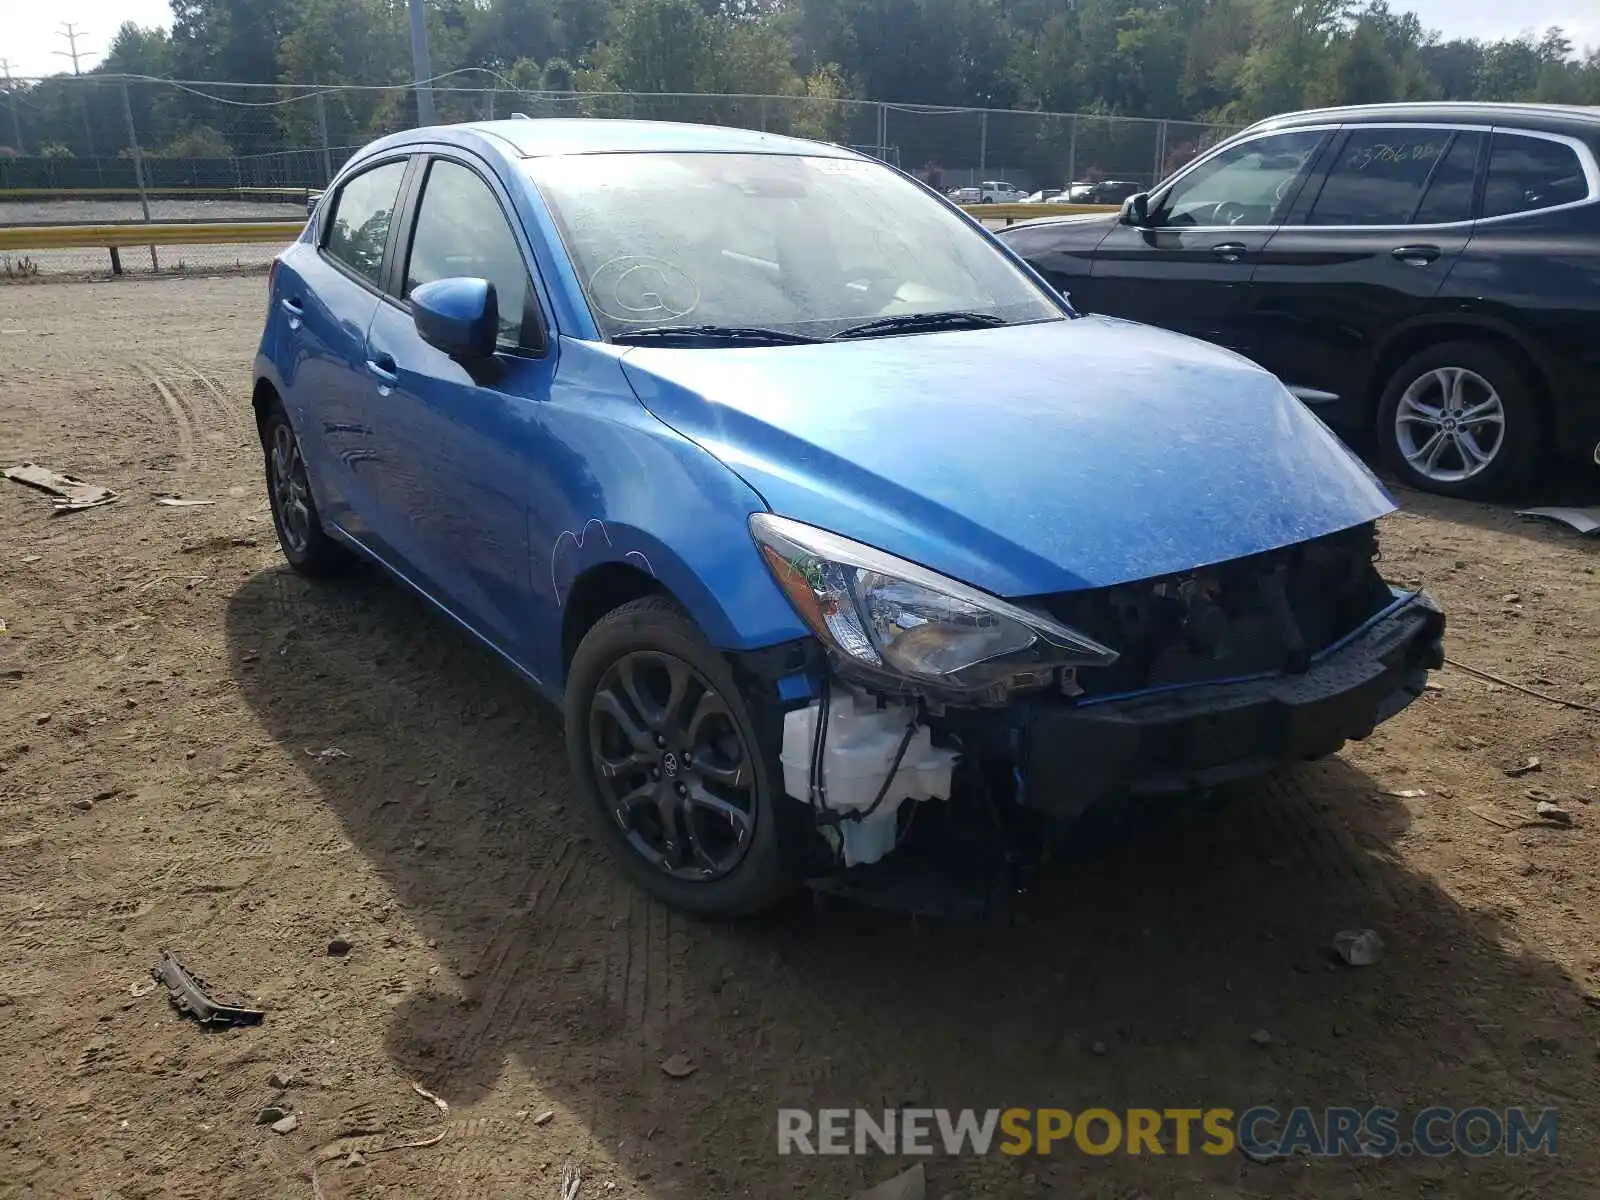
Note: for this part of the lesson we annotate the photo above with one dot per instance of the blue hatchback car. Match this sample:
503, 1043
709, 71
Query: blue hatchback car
814, 508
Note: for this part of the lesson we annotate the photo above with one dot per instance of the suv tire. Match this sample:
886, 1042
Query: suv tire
1460, 419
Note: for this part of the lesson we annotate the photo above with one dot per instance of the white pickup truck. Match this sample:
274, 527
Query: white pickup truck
992, 191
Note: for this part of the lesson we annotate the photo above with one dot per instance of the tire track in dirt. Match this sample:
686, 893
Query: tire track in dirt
228, 409
183, 421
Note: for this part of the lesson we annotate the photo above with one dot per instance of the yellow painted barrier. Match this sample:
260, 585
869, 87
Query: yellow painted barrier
101, 237
102, 193
1011, 213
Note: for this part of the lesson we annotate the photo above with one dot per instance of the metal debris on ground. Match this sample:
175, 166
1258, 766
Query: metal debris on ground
328, 752
438, 1103
679, 1067
1531, 763
141, 988
71, 494
180, 502
188, 994
1552, 813
1584, 520
1358, 947
1494, 818
908, 1185
1405, 794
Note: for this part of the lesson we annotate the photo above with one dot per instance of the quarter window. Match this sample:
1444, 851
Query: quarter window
462, 231
1530, 173
362, 212
1247, 184
1380, 175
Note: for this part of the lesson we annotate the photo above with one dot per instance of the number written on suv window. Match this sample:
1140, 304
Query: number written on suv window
1380, 175
358, 229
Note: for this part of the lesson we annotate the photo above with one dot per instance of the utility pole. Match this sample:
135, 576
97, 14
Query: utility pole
69, 30
11, 95
421, 71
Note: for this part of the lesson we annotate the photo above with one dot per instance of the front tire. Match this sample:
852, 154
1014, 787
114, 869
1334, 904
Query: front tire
668, 763
1461, 420
306, 546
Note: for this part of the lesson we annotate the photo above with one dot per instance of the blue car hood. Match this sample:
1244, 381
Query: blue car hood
1024, 459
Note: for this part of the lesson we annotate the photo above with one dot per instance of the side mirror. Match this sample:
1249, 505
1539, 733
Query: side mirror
459, 316
1136, 209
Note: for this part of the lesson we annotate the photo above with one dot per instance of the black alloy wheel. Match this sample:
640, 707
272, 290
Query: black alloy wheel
672, 766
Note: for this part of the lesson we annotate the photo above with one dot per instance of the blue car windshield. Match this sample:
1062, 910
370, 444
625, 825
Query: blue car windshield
805, 245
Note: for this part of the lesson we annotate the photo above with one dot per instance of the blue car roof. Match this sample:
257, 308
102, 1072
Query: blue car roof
541, 136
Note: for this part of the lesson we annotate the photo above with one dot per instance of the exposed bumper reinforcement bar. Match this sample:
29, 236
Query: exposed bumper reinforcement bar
1205, 735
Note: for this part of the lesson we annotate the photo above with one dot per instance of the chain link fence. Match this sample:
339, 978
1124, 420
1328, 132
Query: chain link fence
114, 148
93, 131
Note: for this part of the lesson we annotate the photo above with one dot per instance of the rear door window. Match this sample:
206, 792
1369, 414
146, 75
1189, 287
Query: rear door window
1529, 173
358, 226
1450, 190
1379, 175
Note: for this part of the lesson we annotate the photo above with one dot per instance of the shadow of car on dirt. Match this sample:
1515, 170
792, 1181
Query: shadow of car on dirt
1135, 976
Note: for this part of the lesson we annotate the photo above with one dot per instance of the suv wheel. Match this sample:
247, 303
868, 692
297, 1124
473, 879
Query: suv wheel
1459, 419
666, 756
308, 548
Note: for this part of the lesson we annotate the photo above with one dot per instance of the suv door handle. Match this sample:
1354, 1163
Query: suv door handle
1416, 256
1229, 251
293, 310
383, 369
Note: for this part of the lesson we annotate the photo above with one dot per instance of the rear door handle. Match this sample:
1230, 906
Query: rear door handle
1416, 256
1229, 251
293, 310
382, 368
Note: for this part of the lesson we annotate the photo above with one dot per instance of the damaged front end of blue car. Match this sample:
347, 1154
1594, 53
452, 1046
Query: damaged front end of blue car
1017, 719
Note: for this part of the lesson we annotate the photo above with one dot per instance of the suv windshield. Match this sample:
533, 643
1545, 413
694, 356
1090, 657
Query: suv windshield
801, 245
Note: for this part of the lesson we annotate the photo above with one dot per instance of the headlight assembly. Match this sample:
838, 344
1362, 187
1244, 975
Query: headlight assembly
894, 616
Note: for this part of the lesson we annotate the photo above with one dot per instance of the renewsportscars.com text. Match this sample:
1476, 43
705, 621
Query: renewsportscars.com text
1262, 1132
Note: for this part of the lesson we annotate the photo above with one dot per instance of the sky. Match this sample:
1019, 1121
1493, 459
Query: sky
28, 27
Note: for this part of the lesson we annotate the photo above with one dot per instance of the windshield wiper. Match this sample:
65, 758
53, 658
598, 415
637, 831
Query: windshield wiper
915, 322
728, 333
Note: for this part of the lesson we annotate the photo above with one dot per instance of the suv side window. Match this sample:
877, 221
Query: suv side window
462, 231
1450, 191
1379, 176
358, 226
1530, 173
1246, 184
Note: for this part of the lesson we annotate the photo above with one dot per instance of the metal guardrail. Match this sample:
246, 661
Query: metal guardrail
287, 194
115, 235
136, 233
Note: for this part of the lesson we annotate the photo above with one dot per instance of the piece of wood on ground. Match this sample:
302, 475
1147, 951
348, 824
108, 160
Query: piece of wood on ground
71, 494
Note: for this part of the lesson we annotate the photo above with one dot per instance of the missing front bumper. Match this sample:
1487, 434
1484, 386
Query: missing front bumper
1200, 736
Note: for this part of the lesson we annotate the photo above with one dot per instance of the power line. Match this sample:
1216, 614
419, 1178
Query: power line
69, 30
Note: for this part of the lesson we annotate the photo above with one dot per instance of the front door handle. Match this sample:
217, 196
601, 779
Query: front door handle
1415, 256
1229, 251
293, 310
383, 369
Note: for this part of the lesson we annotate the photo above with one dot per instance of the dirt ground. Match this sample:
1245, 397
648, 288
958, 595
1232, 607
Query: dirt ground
201, 751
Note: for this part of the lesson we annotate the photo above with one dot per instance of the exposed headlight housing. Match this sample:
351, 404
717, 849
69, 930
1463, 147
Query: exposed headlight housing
893, 617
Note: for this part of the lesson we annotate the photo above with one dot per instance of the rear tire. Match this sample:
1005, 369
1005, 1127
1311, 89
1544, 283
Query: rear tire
308, 549
1460, 419
668, 764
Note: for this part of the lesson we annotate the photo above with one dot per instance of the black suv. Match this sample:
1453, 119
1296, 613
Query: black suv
1428, 270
